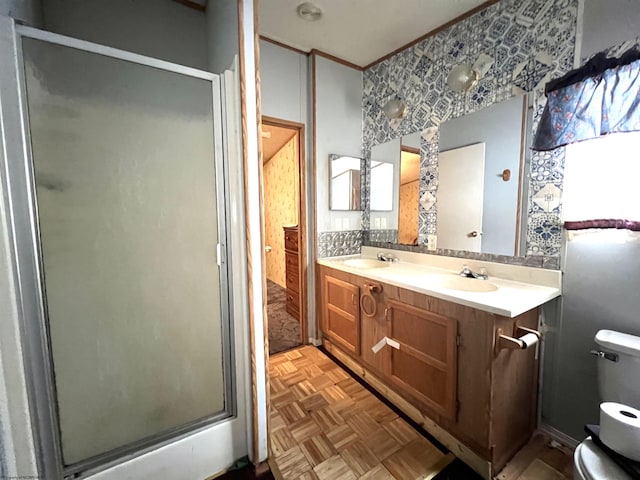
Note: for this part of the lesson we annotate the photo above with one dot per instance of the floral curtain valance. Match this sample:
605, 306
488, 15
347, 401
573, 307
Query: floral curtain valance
599, 98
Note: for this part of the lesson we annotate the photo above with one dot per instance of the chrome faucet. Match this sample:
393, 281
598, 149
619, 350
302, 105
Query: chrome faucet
387, 257
467, 272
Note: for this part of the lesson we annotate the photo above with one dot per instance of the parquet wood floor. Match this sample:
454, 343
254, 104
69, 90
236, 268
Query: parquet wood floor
326, 426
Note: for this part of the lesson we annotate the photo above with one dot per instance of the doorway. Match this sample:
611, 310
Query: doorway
285, 233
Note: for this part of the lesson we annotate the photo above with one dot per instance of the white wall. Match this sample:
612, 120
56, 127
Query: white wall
157, 28
338, 130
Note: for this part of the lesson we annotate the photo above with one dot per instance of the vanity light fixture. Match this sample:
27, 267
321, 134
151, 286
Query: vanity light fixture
394, 108
309, 11
463, 78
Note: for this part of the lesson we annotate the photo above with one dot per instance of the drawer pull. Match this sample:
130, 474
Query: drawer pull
353, 299
386, 313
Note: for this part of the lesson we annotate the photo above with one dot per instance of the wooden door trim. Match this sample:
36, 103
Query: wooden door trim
302, 221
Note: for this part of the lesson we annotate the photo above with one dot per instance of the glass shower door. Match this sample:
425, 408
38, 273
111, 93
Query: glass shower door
129, 208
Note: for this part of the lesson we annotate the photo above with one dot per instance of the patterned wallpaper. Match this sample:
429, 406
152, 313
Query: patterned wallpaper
408, 213
281, 205
521, 46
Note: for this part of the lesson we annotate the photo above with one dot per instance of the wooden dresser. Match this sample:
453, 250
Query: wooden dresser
292, 270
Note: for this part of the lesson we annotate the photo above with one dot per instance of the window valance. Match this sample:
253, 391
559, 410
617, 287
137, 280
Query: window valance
599, 98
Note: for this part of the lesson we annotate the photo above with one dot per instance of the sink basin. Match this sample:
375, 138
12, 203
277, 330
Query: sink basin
456, 282
365, 263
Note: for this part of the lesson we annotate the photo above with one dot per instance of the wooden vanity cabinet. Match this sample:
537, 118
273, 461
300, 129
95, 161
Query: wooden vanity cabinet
425, 364
446, 375
341, 313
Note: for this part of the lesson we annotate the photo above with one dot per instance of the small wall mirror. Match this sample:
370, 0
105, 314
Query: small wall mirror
344, 183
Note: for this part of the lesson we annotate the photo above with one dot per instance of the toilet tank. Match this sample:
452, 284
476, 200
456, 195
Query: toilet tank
619, 374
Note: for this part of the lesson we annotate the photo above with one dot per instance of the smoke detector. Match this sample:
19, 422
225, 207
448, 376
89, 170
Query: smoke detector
309, 11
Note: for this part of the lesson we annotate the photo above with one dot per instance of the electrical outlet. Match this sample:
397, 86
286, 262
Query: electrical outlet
383, 222
432, 241
376, 223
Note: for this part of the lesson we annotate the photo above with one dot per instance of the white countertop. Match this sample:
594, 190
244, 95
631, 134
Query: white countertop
413, 272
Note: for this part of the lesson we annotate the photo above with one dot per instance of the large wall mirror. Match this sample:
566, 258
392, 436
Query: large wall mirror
482, 186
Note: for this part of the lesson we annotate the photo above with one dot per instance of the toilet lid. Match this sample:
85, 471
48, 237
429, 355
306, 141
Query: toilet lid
593, 464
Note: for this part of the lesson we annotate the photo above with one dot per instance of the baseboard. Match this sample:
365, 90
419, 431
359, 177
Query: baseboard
316, 342
559, 437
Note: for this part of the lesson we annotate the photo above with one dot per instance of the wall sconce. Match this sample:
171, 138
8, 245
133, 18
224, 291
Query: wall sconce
463, 78
394, 108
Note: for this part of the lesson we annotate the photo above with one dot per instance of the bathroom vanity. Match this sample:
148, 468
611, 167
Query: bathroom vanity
443, 348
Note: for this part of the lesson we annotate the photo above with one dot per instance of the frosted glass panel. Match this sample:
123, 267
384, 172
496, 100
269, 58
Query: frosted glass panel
125, 180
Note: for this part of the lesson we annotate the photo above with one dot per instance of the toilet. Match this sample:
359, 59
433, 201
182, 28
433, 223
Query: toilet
618, 381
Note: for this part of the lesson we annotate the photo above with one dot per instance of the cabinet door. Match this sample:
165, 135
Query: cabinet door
425, 365
342, 313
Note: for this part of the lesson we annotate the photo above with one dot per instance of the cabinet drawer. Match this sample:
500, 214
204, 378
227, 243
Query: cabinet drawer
293, 281
292, 305
291, 240
291, 262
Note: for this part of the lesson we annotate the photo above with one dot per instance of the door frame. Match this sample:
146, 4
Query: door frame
302, 220
18, 184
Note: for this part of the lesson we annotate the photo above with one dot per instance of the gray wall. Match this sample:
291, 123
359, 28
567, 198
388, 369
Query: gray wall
285, 89
607, 23
161, 29
338, 130
601, 273
27, 12
222, 34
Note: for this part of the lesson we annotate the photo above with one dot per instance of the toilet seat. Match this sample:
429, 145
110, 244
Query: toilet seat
591, 463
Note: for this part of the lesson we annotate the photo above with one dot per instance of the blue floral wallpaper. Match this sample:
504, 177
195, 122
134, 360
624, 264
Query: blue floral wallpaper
518, 46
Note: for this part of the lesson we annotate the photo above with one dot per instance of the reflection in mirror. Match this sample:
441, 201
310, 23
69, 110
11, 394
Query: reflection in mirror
409, 194
384, 174
497, 225
381, 186
344, 182
460, 197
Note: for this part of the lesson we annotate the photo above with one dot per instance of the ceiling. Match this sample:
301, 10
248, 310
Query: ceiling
273, 139
358, 31
409, 167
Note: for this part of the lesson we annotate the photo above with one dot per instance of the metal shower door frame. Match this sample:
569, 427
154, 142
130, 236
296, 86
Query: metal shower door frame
18, 186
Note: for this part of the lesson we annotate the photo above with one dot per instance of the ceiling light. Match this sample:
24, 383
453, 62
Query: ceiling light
309, 11
462, 78
394, 108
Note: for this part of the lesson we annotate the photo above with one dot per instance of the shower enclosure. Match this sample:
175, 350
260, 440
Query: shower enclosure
117, 215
